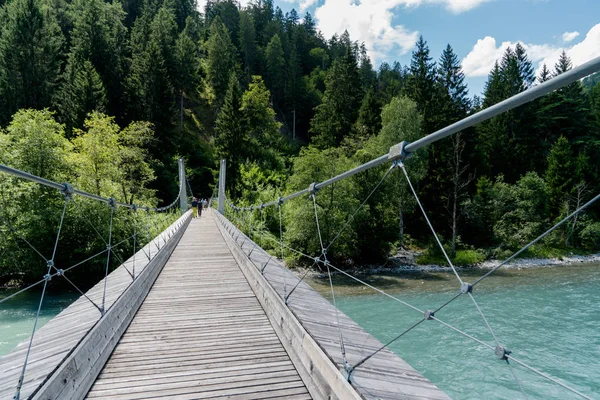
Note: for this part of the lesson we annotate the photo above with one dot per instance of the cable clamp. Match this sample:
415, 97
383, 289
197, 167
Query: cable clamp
60, 272
466, 288
134, 207
262, 205
502, 352
68, 190
429, 314
112, 202
108, 247
312, 189
47, 277
280, 201
398, 152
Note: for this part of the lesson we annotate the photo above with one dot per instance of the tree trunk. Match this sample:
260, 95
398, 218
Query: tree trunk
181, 114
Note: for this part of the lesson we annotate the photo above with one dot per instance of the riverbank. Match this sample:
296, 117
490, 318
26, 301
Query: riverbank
400, 265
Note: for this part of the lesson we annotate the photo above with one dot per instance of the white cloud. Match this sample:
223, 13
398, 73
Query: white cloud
484, 54
370, 21
569, 36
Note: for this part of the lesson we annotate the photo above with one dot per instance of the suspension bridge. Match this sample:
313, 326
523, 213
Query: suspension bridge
203, 311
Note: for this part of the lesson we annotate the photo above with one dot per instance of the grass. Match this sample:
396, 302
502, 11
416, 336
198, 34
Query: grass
463, 258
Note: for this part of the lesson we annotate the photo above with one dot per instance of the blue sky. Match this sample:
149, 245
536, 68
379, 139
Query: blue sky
478, 30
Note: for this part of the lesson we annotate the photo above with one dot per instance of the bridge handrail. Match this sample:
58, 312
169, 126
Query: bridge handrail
404, 149
69, 189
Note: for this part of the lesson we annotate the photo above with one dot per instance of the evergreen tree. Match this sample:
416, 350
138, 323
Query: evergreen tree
367, 74
571, 109
248, 47
81, 93
560, 174
219, 63
545, 74
227, 12
369, 115
99, 36
231, 141
31, 44
275, 75
452, 79
421, 84
186, 56
337, 113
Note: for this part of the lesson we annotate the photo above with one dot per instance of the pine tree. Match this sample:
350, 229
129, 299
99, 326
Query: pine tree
219, 63
231, 141
186, 56
545, 74
248, 47
452, 79
571, 108
227, 12
99, 35
81, 93
275, 75
31, 44
560, 173
369, 115
367, 74
421, 85
337, 113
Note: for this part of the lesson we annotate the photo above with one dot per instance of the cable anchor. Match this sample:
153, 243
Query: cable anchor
429, 314
68, 190
502, 352
466, 288
398, 153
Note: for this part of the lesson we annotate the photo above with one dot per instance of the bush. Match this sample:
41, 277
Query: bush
590, 236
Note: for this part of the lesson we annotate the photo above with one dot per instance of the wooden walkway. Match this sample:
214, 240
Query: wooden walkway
200, 333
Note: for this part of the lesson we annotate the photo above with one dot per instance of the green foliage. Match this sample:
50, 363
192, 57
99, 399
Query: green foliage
337, 113
334, 205
521, 210
219, 63
31, 45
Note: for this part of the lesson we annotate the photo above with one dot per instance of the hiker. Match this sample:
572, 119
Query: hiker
195, 207
200, 207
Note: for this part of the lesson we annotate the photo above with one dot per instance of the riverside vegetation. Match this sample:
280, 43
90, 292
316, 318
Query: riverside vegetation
106, 95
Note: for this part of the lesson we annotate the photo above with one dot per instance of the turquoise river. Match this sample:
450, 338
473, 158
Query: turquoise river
549, 317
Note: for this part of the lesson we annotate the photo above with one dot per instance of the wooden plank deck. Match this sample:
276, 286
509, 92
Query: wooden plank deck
55, 341
200, 333
384, 376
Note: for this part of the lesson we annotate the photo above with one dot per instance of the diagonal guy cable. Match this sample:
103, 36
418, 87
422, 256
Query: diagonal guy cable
565, 219
465, 287
401, 165
337, 312
47, 278
349, 220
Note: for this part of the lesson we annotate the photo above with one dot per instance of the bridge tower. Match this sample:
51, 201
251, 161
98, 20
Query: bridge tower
221, 194
182, 192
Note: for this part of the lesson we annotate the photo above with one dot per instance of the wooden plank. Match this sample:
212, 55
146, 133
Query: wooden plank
384, 376
200, 333
54, 342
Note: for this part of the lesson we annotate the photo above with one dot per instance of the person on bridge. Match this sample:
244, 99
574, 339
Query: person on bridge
199, 207
195, 207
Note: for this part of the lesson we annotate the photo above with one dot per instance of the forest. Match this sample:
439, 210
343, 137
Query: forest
108, 94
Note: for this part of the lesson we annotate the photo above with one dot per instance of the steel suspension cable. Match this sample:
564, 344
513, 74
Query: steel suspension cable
337, 313
47, 277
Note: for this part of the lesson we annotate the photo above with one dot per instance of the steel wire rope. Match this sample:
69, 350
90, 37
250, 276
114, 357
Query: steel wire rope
112, 210
465, 287
49, 263
326, 262
86, 219
349, 220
